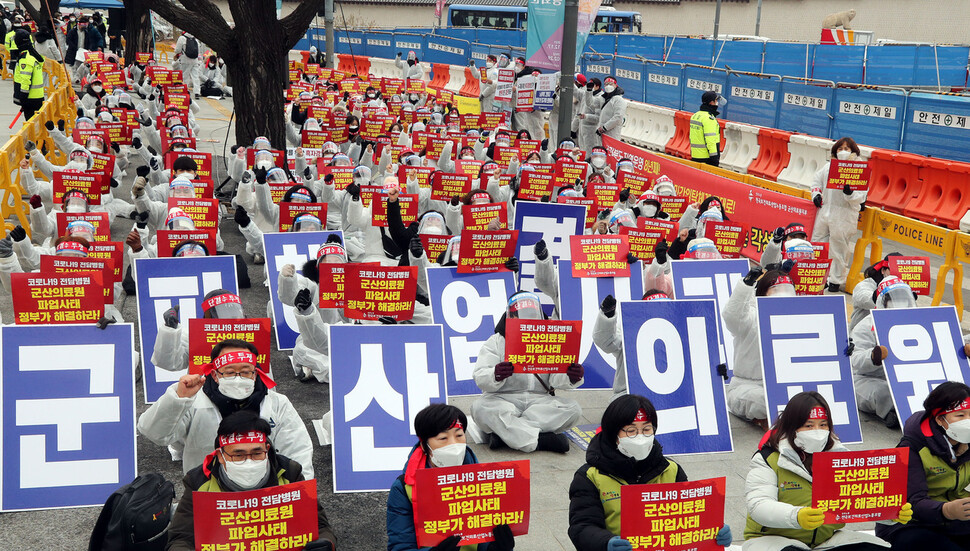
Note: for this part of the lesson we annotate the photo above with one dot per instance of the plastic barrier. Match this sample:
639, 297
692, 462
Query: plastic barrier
874, 118
472, 86
773, 154
740, 146
354, 64
807, 155
349, 42
636, 127
384, 68
753, 100
663, 86
601, 43
679, 144
660, 127
629, 75
958, 254
894, 180
944, 197
937, 125
839, 63
440, 76
806, 108
456, 77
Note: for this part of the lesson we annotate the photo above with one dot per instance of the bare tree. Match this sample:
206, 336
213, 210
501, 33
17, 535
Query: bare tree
255, 50
42, 16
138, 29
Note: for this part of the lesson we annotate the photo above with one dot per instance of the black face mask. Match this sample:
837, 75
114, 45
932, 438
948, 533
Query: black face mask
589, 87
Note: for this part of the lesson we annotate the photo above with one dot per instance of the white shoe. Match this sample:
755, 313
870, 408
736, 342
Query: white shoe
259, 259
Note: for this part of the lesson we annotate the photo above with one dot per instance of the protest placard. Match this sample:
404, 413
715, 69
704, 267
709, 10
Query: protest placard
53, 298
860, 486
599, 255
486, 251
542, 346
373, 292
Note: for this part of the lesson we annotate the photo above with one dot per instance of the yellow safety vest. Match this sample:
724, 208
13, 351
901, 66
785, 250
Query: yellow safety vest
609, 490
705, 135
29, 76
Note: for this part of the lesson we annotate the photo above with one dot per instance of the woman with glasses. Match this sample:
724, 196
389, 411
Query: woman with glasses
624, 452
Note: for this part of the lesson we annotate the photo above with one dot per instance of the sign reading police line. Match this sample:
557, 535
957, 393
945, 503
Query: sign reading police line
68, 410
553, 223
670, 353
468, 307
388, 373
163, 283
802, 343
925, 349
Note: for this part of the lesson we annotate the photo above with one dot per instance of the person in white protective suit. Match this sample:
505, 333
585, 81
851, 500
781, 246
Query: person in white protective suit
589, 116
522, 410
187, 55
213, 81
776, 247
863, 294
838, 214
190, 410
171, 349
411, 68
613, 114
745, 391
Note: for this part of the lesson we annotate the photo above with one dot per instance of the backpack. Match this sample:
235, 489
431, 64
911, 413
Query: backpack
191, 47
135, 517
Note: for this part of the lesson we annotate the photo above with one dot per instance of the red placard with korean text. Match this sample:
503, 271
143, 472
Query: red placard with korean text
502, 155
102, 229
534, 185
606, 194
673, 205
434, 245
314, 139
421, 173
566, 173
279, 517
93, 184
168, 240
914, 270
52, 298
860, 486
53, 264
808, 276
105, 164
279, 157
471, 500
468, 166
727, 236
542, 346
332, 279
587, 202
643, 242
481, 217
343, 176
676, 516
114, 78
373, 292
118, 132
143, 57
489, 121
81, 135
114, 253
637, 183
203, 212
854, 174
203, 162
669, 229
821, 250
599, 255
409, 210
178, 101
445, 185
289, 211
486, 251
204, 334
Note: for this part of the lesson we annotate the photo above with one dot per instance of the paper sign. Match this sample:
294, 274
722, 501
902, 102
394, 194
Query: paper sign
480, 217
727, 236
117, 132
103, 164
567, 173
81, 135
677, 516
203, 212
914, 270
809, 276
343, 176
673, 205
642, 243
421, 173
374, 292
102, 229
444, 186
169, 240
408, 204
669, 229
434, 245
114, 253
854, 174
289, 211
588, 202
503, 86
486, 251
50, 263
542, 346
52, 298
204, 334
599, 255
525, 94
93, 184
534, 185
489, 121
636, 183
860, 486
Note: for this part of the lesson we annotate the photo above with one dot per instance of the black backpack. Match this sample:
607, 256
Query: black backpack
135, 517
191, 47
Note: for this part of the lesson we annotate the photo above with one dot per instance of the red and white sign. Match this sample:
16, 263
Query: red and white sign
102, 229
375, 292
809, 276
914, 270
599, 255
203, 212
93, 184
643, 242
486, 251
534, 185
860, 486
854, 174
727, 236
169, 240
53, 264
444, 186
52, 298
202, 160
481, 217
289, 211
676, 516
408, 203
204, 334
542, 346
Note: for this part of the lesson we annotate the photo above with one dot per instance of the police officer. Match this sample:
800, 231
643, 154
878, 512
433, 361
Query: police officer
705, 134
29, 76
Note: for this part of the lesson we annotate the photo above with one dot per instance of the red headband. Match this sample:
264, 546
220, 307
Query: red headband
657, 296
714, 203
76, 195
71, 245
641, 416
782, 280
220, 299
239, 356
818, 413
250, 437
797, 228
330, 249
456, 425
965, 404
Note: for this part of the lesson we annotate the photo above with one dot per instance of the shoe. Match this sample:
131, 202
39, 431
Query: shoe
197, 96
259, 259
891, 420
834, 288
307, 376
552, 442
495, 442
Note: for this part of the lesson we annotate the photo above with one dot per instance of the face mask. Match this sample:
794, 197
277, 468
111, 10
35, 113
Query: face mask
637, 447
649, 210
490, 65
247, 474
265, 165
598, 162
812, 441
451, 455
959, 431
843, 155
96, 89
519, 67
236, 388
470, 157
609, 88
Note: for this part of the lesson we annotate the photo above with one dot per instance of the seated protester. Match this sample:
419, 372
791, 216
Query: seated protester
159, 213
608, 338
182, 167
375, 248
521, 410
624, 452
171, 350
440, 429
339, 203
244, 459
774, 249
745, 391
599, 165
663, 185
710, 211
234, 381
779, 485
939, 470
254, 234
863, 292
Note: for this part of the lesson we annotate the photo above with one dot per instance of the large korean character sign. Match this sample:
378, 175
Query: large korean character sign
670, 355
68, 410
167, 282
289, 248
925, 349
583, 297
549, 221
382, 377
802, 344
468, 307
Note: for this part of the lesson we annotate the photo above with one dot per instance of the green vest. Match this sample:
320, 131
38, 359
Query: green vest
705, 135
407, 489
793, 490
10, 44
943, 482
29, 76
212, 485
609, 489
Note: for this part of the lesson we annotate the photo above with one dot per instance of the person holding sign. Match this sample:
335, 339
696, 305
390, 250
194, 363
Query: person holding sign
624, 452
779, 238
779, 485
939, 470
838, 214
171, 351
244, 459
521, 410
863, 294
440, 429
608, 338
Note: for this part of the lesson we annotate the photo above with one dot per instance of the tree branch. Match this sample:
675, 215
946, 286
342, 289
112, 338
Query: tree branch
297, 22
201, 18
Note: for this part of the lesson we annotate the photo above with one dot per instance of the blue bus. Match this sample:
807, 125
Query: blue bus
607, 20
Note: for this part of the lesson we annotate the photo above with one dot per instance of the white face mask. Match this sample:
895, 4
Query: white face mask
265, 165
812, 441
609, 88
649, 210
598, 162
97, 89
247, 474
637, 447
843, 155
451, 455
489, 64
236, 388
959, 431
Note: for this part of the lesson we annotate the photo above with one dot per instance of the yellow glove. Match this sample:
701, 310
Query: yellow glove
810, 519
905, 513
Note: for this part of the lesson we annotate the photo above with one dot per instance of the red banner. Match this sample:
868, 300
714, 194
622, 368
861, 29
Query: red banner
102, 229
93, 184
53, 264
914, 270
114, 253
534, 185
599, 255
469, 167
444, 186
854, 174
421, 173
480, 217
486, 251
434, 245
669, 229
343, 176
380, 291
409, 210
727, 236
542, 346
203, 212
860, 486
47, 298
567, 172
643, 242
280, 517
289, 211
636, 183
676, 516
168, 240
471, 500
588, 202
809, 276
204, 334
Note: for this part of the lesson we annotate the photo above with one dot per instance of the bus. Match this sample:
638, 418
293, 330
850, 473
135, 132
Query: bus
608, 20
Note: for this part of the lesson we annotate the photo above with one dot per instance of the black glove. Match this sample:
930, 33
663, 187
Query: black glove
306, 173
114, 183
142, 171
847, 190
241, 216
455, 200
575, 372
818, 201
399, 54
303, 301
154, 164
328, 179
60, 124
417, 249
661, 251
29, 146
115, 147
451, 542
787, 265
49, 125
334, 238
631, 258
503, 370
142, 220
504, 540
387, 320
136, 142
778, 235
722, 371
260, 174
18, 233
608, 306
849, 349
151, 151
233, 149
354, 191
624, 195
104, 322
752, 277
545, 199
544, 144
540, 250
35, 201
512, 264
171, 317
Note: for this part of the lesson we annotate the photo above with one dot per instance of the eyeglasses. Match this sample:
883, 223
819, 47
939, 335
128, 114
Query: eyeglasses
633, 431
239, 457
245, 374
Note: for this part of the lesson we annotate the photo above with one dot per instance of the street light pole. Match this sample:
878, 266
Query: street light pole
328, 23
717, 18
757, 22
567, 68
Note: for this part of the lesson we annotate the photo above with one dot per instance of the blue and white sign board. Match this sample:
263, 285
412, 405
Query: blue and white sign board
583, 296
549, 221
288, 248
925, 349
468, 307
383, 376
802, 343
670, 353
68, 414
714, 279
163, 283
